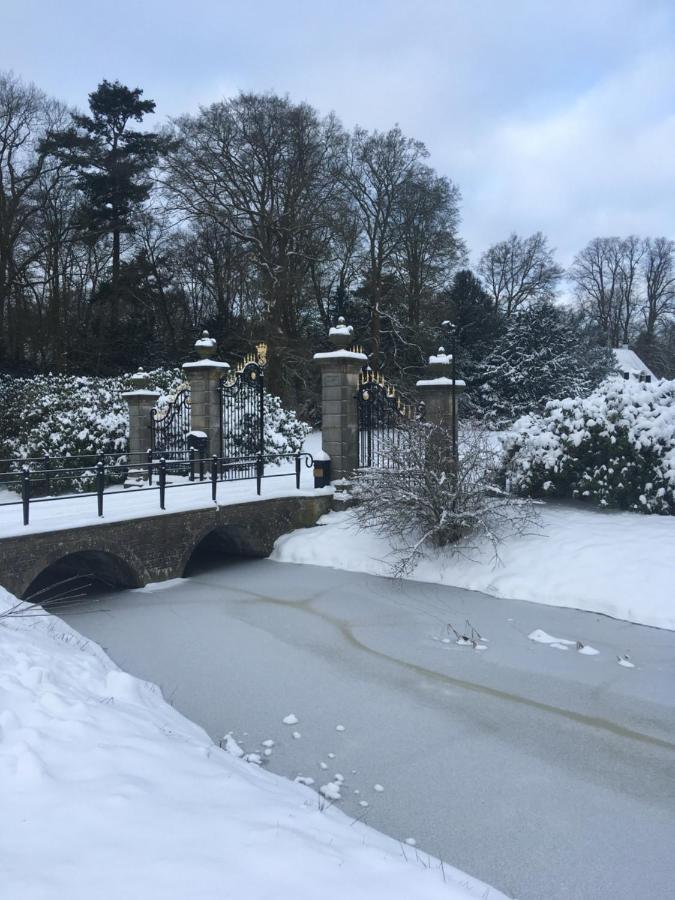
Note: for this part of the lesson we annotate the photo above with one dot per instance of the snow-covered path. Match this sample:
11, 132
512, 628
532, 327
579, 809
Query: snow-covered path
545, 771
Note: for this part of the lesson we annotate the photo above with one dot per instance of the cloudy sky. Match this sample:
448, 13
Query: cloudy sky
553, 116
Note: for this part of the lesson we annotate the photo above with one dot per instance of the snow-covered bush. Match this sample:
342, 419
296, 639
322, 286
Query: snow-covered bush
62, 416
284, 432
422, 503
615, 448
542, 354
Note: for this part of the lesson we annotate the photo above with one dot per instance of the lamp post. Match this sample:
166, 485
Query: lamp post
452, 331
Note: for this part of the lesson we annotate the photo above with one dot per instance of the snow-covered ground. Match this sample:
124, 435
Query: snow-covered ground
619, 564
108, 792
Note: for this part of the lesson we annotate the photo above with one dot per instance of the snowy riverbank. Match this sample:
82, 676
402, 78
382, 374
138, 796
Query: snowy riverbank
108, 792
618, 564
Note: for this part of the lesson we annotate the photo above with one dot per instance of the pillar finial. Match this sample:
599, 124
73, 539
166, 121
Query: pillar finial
205, 345
341, 335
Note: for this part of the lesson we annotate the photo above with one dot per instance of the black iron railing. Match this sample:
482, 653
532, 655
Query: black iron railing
156, 470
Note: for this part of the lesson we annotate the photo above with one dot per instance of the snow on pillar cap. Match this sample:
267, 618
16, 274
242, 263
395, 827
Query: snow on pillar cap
139, 379
341, 335
205, 345
439, 363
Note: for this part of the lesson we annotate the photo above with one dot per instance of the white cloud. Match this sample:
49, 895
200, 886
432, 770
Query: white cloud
602, 164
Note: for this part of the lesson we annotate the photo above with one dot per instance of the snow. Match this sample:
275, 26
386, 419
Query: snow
628, 361
206, 342
331, 791
347, 330
290, 719
206, 364
618, 564
541, 637
138, 503
341, 354
141, 392
440, 359
108, 792
442, 381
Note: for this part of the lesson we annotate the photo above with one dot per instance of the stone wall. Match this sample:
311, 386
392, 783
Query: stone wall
156, 548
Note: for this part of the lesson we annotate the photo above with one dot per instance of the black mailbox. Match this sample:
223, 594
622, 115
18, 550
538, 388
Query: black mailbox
198, 441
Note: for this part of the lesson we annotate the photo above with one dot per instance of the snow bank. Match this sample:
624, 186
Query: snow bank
108, 792
618, 564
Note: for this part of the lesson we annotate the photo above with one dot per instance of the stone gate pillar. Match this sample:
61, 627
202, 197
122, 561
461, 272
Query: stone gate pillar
203, 376
339, 412
140, 400
440, 392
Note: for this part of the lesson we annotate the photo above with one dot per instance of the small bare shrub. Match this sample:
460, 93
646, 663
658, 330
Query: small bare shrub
426, 500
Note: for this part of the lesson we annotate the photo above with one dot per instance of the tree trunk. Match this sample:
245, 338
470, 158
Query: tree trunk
114, 300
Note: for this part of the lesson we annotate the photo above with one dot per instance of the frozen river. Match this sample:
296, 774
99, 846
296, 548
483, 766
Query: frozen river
545, 771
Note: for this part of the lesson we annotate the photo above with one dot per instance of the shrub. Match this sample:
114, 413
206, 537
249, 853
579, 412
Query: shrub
421, 503
615, 448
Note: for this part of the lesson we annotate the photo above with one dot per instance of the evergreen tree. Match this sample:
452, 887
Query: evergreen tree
543, 354
112, 163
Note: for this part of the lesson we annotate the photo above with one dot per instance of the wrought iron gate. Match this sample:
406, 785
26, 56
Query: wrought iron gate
381, 414
242, 422
170, 424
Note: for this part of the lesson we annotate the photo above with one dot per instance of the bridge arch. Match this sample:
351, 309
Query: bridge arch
101, 564
229, 540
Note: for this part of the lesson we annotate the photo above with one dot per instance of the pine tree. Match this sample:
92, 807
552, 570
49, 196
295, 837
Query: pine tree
543, 354
112, 163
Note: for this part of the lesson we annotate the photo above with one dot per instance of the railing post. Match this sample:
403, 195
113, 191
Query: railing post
148, 455
297, 471
162, 483
192, 452
140, 400
46, 463
339, 411
259, 472
214, 477
100, 485
25, 493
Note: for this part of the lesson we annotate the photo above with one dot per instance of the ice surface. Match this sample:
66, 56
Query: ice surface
108, 792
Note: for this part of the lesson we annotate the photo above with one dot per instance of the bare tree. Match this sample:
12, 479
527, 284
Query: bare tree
519, 270
264, 170
428, 246
25, 114
631, 251
378, 165
658, 269
597, 273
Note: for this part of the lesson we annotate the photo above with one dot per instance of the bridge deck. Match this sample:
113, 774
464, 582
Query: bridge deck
122, 505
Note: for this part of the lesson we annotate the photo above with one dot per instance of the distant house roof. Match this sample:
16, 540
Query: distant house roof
630, 364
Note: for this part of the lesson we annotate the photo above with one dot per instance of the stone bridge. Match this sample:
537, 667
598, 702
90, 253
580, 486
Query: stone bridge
138, 551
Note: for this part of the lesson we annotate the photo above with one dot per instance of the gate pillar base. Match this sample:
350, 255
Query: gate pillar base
440, 391
204, 378
339, 413
140, 399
